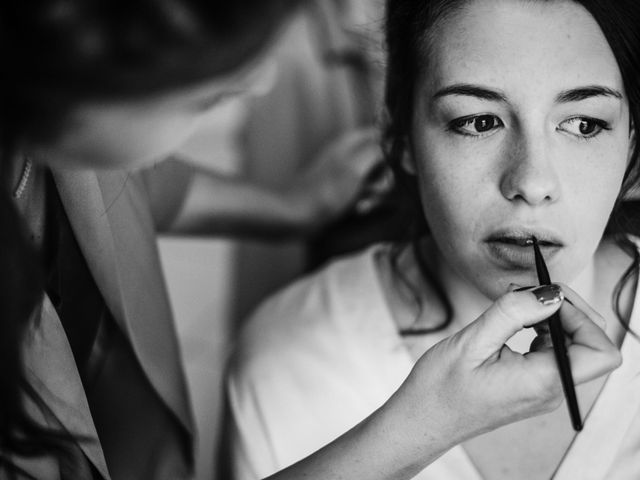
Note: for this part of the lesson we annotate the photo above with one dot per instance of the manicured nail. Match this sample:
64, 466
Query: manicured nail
548, 294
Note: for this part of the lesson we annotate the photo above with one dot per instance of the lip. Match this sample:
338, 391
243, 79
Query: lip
513, 247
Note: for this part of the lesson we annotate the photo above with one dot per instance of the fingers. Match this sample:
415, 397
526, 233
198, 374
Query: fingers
509, 314
356, 137
337, 177
543, 340
574, 299
378, 183
359, 150
361, 154
591, 352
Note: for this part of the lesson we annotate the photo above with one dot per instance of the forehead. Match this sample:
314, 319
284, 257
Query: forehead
521, 43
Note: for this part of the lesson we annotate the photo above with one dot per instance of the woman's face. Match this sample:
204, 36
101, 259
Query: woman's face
135, 132
520, 128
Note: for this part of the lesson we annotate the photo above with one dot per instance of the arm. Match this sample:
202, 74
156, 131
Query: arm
222, 205
466, 385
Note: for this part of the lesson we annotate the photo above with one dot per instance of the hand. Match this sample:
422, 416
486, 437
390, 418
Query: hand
465, 385
471, 382
348, 170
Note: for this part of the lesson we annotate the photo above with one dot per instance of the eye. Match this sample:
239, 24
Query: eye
583, 127
476, 126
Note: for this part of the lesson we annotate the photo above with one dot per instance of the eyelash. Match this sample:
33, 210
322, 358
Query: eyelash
601, 124
457, 125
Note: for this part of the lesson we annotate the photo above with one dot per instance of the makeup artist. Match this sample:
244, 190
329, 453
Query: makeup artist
91, 384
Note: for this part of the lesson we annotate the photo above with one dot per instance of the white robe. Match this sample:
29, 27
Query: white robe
323, 354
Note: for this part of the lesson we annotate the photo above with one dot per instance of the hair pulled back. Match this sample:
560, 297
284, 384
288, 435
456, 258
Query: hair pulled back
410, 27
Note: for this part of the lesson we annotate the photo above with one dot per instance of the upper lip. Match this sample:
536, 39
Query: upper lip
522, 236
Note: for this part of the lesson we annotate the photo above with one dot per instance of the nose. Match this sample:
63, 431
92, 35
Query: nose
529, 174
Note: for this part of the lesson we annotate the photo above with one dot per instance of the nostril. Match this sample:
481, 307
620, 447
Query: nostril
531, 194
530, 178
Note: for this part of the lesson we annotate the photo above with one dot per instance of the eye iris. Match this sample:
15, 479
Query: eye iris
586, 127
484, 123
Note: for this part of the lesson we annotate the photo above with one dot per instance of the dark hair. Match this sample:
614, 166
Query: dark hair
409, 30
56, 53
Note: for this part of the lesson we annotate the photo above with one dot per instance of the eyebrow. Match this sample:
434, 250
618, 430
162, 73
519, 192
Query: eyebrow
584, 93
470, 90
484, 93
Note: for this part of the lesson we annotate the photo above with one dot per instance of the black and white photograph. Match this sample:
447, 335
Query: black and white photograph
320, 240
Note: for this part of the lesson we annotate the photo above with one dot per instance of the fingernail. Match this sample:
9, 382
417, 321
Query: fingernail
548, 294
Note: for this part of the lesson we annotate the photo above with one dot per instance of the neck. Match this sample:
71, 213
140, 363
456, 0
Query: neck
467, 302
585, 283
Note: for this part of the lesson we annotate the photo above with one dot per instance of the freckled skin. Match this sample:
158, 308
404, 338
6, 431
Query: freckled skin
537, 169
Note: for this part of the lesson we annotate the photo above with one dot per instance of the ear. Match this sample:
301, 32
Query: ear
407, 162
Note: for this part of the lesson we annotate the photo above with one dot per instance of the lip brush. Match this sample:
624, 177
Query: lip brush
559, 347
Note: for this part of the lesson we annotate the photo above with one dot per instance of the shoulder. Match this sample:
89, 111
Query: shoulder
310, 318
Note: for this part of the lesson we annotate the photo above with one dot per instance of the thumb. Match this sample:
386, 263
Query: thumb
509, 314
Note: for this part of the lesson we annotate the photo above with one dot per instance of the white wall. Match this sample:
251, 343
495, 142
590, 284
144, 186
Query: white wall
199, 275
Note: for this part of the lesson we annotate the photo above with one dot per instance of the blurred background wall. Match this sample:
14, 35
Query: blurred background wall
215, 283
200, 274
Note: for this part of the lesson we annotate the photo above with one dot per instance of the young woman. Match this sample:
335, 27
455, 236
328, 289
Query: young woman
507, 119
91, 385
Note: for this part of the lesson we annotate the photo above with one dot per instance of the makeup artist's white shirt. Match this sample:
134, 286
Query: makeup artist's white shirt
324, 353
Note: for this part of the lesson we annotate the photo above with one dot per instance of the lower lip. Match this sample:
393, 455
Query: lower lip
519, 257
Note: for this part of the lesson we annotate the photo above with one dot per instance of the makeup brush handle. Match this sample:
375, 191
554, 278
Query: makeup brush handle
564, 367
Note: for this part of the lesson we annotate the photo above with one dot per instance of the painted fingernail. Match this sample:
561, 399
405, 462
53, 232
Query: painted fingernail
548, 294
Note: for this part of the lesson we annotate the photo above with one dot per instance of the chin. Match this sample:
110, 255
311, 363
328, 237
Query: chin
493, 284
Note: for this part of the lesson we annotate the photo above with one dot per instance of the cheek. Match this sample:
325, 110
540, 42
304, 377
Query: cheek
593, 185
452, 193
452, 187
120, 139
